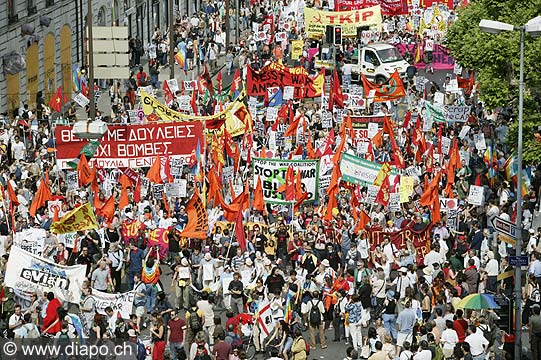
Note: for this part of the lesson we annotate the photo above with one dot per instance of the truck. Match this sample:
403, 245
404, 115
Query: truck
375, 61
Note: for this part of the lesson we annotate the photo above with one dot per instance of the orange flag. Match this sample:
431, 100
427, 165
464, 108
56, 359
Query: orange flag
289, 185
384, 192
431, 191
154, 173
42, 195
338, 153
197, 225
377, 140
259, 202
335, 177
309, 148
331, 204
263, 153
214, 187
166, 205
12, 196
124, 199
86, 174
108, 209
292, 129
96, 190
300, 195
364, 220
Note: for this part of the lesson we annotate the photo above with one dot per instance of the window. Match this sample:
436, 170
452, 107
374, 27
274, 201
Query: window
31, 7
11, 8
371, 58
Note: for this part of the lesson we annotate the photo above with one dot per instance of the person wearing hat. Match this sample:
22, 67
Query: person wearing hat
402, 282
206, 270
309, 260
181, 283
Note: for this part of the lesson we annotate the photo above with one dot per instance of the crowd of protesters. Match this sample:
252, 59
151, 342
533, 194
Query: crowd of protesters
322, 278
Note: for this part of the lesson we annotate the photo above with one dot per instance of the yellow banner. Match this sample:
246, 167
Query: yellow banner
14, 89
236, 115
79, 219
316, 20
32, 74
48, 66
65, 60
296, 49
406, 188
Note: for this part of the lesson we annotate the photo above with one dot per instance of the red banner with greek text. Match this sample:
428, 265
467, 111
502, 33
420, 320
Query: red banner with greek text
132, 146
419, 239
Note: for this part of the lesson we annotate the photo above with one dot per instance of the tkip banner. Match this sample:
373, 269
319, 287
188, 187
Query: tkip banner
273, 174
27, 272
132, 146
236, 116
277, 75
316, 20
120, 303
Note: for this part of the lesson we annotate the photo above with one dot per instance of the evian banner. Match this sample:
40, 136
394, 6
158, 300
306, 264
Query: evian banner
132, 146
31, 273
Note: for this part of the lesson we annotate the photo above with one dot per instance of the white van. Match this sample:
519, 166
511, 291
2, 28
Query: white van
376, 61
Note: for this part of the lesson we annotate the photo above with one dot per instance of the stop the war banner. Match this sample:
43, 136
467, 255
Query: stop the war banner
388, 7
316, 20
28, 272
419, 239
277, 75
273, 174
120, 303
132, 146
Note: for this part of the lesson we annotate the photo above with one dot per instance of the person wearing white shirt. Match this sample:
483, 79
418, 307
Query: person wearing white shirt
478, 343
448, 339
16, 323
434, 256
402, 282
424, 352
471, 255
492, 269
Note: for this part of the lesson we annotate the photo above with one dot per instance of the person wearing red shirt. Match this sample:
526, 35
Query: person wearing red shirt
177, 331
232, 320
51, 322
460, 325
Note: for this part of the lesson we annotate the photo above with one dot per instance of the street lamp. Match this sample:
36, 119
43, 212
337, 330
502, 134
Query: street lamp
533, 27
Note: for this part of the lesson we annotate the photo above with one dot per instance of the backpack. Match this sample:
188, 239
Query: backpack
141, 350
195, 322
315, 315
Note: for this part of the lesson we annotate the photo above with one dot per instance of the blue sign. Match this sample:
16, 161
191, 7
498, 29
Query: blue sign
518, 260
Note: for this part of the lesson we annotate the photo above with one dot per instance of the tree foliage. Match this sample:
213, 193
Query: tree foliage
496, 58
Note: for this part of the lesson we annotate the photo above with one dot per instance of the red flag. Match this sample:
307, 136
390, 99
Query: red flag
398, 158
407, 119
340, 149
108, 209
431, 191
384, 192
327, 144
440, 130
193, 103
364, 220
86, 174
137, 191
167, 92
332, 203
336, 97
239, 231
57, 100
219, 80
235, 84
12, 196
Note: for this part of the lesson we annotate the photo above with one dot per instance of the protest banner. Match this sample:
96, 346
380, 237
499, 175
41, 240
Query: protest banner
278, 75
72, 180
158, 237
316, 20
68, 239
120, 303
361, 126
131, 146
453, 113
447, 205
296, 49
28, 272
406, 188
130, 230
31, 240
360, 171
475, 196
388, 7
433, 113
78, 219
419, 239
197, 225
235, 116
81, 100
272, 173
441, 60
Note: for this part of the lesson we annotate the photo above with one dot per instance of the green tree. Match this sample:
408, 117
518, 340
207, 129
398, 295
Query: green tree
496, 60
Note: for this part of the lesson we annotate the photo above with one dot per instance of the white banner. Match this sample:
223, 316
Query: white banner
30, 273
120, 303
273, 174
31, 240
475, 197
454, 113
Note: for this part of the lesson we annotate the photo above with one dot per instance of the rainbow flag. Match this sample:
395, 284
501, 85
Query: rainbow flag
511, 167
76, 78
511, 172
180, 56
288, 309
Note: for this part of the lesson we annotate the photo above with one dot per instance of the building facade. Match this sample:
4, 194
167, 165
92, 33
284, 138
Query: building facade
50, 37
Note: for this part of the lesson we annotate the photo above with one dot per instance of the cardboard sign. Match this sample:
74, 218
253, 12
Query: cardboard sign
288, 92
454, 113
72, 179
157, 191
480, 143
475, 196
